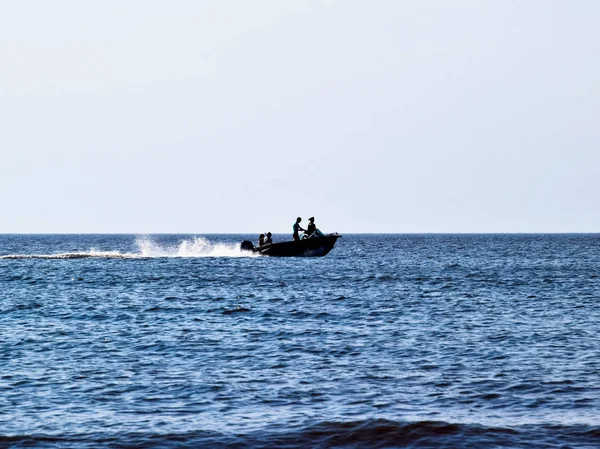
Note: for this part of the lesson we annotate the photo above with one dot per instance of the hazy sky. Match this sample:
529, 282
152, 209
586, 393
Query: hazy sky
237, 116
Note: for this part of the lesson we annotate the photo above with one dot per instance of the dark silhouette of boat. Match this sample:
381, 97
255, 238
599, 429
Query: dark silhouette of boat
310, 247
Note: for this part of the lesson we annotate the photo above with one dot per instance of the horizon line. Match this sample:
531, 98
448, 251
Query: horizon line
341, 233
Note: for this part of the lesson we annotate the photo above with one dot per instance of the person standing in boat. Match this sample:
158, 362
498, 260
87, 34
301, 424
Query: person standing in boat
268, 239
297, 229
261, 240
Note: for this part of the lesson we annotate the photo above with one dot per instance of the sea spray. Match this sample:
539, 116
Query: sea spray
195, 247
148, 248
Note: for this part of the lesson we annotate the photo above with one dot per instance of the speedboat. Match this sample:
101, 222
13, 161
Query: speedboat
308, 247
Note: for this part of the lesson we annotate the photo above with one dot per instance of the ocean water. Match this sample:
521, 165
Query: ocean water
179, 341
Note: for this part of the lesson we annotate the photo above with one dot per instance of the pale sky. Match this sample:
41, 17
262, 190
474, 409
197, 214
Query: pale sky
237, 116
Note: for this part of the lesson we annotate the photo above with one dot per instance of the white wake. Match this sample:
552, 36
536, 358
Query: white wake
196, 247
148, 248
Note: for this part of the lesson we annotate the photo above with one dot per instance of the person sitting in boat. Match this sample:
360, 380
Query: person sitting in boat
261, 240
297, 228
311, 228
268, 239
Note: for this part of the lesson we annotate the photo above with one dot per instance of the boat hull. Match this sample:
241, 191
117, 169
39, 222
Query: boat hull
312, 247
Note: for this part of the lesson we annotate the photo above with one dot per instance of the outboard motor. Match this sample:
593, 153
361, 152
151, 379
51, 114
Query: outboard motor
246, 245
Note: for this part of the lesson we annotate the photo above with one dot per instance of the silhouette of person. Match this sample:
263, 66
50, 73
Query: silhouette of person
296, 229
268, 239
261, 240
311, 228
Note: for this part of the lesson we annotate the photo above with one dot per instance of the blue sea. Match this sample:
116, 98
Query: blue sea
390, 341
